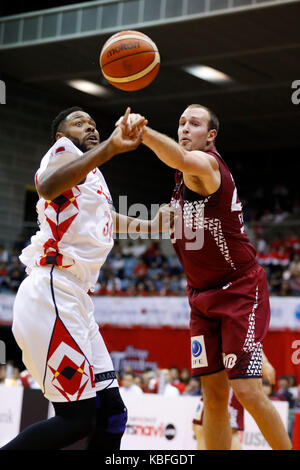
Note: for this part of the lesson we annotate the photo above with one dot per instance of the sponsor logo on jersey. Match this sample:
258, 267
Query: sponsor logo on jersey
199, 357
229, 361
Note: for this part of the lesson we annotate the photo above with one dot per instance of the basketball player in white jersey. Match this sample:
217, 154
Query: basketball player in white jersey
53, 314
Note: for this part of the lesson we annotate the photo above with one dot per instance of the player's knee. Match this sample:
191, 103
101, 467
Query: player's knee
247, 391
215, 394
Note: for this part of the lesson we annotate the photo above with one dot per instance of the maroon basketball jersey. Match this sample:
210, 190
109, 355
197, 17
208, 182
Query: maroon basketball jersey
209, 236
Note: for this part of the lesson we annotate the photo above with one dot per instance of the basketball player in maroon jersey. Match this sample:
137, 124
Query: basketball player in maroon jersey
227, 289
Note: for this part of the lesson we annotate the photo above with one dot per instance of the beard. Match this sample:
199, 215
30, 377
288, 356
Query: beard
79, 144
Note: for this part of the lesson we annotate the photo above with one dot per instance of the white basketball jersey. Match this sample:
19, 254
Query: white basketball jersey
76, 228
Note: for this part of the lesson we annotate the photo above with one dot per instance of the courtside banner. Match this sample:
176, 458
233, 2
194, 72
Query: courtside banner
163, 311
11, 399
159, 422
253, 438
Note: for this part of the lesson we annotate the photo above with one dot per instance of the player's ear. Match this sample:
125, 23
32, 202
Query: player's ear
211, 135
58, 135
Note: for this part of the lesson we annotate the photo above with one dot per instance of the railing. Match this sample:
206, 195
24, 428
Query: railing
101, 16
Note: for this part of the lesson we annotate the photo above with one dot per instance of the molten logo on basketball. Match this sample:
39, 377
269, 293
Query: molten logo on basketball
122, 47
229, 361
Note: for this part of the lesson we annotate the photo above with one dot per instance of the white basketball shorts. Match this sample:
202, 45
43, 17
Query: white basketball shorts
54, 325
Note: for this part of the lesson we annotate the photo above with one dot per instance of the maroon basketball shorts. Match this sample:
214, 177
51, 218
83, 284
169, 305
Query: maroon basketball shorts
228, 326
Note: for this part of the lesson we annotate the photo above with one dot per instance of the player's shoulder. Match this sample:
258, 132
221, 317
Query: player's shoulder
61, 146
64, 145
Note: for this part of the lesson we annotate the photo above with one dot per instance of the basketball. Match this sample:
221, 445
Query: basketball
129, 60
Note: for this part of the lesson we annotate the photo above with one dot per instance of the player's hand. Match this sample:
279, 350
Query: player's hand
268, 372
131, 124
164, 219
127, 136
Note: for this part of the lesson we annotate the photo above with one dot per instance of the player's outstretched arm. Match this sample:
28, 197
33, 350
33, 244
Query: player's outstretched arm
72, 169
194, 162
162, 222
172, 154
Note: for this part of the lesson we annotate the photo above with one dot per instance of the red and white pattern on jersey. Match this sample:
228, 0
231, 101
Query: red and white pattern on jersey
252, 347
59, 214
193, 215
69, 369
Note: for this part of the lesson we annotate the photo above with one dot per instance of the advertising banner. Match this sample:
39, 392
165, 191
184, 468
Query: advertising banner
163, 311
11, 399
159, 422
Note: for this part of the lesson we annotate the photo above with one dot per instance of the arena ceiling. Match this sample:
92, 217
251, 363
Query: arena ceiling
259, 49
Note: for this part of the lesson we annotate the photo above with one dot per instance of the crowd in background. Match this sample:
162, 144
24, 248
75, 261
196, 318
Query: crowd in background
168, 382
141, 268
138, 268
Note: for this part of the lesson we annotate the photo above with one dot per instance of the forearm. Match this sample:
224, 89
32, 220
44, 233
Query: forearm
167, 150
73, 172
125, 224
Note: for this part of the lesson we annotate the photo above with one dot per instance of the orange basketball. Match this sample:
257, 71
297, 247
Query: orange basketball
129, 60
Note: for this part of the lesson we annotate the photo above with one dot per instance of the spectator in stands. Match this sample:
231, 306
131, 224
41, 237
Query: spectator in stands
267, 217
138, 248
275, 282
151, 290
280, 215
162, 385
141, 270
270, 391
292, 242
185, 375
294, 389
138, 380
117, 264
175, 379
283, 390
294, 284
193, 387
15, 276
127, 249
3, 254
102, 289
148, 376
113, 289
141, 289
113, 284
4, 281
294, 267
128, 385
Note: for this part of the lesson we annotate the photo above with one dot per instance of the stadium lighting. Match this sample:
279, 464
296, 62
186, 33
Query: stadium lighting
88, 87
208, 73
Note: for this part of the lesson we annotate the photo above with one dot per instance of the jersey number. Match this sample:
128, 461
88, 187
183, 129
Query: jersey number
235, 206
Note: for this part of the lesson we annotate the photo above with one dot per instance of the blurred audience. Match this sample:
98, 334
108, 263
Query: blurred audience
129, 385
140, 268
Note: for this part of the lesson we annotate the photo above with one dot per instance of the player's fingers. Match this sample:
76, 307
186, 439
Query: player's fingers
127, 113
119, 121
139, 122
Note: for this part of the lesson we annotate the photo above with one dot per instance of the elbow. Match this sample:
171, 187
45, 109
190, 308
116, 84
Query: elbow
45, 191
